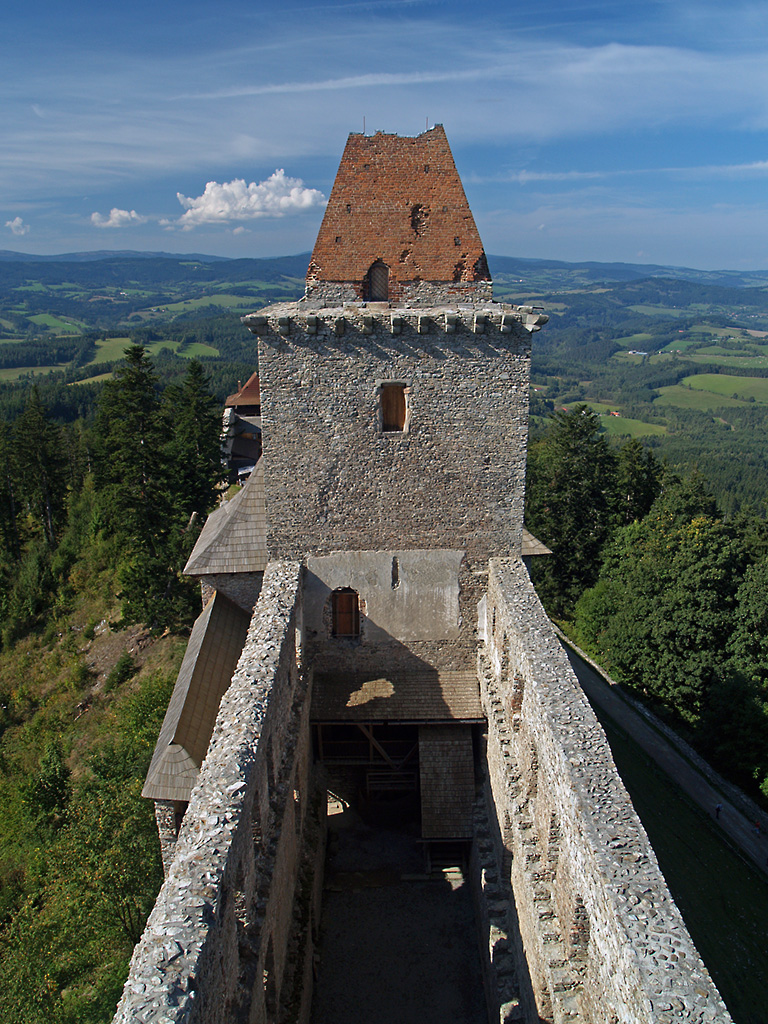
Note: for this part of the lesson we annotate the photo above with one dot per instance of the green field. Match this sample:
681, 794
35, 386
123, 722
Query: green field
96, 379
61, 324
660, 310
729, 359
113, 349
227, 301
193, 351
622, 426
633, 360
726, 384
17, 372
640, 341
723, 900
110, 350
690, 398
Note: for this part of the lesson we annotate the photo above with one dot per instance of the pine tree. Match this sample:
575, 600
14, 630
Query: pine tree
41, 468
569, 504
131, 473
194, 450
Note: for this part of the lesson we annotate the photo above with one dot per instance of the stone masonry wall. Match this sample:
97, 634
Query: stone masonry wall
410, 294
230, 935
335, 481
603, 940
241, 587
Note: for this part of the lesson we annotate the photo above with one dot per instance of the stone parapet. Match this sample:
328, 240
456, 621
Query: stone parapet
602, 936
222, 937
476, 315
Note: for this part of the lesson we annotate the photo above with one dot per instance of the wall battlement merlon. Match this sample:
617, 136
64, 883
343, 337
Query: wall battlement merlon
369, 318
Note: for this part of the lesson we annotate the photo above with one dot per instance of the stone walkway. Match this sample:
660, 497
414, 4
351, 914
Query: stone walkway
741, 820
396, 946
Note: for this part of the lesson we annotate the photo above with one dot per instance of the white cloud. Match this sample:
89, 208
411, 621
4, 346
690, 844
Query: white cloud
17, 226
234, 200
117, 218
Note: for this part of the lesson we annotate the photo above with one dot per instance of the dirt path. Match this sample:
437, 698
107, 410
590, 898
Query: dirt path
747, 828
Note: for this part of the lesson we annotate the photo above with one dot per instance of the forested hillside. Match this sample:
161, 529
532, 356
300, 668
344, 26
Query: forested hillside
96, 521
670, 596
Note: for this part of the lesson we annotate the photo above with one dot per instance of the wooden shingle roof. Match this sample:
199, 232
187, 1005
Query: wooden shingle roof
234, 538
532, 545
214, 647
421, 696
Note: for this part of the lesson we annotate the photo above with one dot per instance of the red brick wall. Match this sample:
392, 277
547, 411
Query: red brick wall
399, 200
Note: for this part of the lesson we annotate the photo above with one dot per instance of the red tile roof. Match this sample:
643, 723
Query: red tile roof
249, 394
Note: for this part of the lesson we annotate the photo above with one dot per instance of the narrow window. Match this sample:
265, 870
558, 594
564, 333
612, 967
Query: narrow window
395, 573
345, 608
393, 407
377, 282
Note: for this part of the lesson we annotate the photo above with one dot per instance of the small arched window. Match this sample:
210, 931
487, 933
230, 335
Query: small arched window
345, 612
377, 282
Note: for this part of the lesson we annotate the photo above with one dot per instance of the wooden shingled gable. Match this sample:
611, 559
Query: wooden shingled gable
447, 781
419, 696
214, 647
398, 200
532, 546
234, 538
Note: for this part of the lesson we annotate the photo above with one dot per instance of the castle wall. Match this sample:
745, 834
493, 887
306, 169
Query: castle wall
602, 937
230, 936
241, 587
336, 481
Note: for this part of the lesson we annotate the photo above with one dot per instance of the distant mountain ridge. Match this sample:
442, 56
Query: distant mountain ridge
501, 266
6, 255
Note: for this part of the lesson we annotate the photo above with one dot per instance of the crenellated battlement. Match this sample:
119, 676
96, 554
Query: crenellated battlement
299, 318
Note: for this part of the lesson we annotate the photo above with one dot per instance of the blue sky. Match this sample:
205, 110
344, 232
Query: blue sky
633, 131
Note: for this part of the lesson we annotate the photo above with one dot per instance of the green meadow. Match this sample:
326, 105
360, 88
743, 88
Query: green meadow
691, 398
727, 384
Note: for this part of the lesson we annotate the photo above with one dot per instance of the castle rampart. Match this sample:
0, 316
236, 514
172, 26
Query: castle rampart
230, 935
601, 936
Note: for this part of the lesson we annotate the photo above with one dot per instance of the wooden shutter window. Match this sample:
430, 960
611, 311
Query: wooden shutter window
346, 612
393, 407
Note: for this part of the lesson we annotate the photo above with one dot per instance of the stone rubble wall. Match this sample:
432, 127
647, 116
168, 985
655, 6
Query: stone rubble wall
230, 934
241, 587
417, 294
335, 481
603, 940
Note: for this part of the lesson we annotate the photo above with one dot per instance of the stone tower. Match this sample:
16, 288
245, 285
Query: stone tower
394, 415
